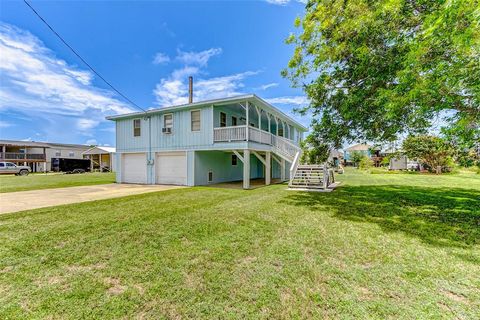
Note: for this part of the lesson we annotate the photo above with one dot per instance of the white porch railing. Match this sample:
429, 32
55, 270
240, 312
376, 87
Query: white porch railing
281, 146
228, 134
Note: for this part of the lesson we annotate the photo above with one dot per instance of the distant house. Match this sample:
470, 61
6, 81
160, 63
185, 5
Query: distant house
230, 139
38, 155
373, 153
101, 158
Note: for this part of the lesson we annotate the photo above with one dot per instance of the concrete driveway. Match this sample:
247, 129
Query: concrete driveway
26, 200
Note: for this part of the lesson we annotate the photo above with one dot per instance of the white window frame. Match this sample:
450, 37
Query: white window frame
164, 123
58, 153
71, 154
199, 120
225, 122
139, 127
236, 121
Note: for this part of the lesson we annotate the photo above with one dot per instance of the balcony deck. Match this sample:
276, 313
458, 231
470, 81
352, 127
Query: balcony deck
22, 157
282, 145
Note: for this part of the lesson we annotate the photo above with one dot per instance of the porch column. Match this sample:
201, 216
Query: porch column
268, 168
91, 162
259, 113
246, 169
282, 170
247, 121
276, 126
269, 128
100, 161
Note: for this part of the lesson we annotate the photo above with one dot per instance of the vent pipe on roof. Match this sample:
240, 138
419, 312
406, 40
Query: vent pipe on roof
190, 89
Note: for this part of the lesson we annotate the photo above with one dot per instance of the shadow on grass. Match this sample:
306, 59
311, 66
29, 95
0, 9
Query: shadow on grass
438, 216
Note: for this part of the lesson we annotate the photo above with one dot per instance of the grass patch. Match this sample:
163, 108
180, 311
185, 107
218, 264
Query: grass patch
11, 183
380, 246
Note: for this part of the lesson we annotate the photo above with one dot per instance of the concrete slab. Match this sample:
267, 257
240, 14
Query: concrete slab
33, 199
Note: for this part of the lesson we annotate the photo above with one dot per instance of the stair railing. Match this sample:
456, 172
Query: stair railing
294, 166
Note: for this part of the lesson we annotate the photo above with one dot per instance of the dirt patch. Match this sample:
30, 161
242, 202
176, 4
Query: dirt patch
115, 287
365, 294
455, 296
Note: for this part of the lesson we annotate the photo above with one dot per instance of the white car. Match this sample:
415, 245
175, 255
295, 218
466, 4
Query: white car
413, 165
12, 168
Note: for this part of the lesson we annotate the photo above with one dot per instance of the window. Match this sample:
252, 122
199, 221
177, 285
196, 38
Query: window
223, 119
2, 164
195, 116
252, 124
9, 164
71, 154
210, 176
234, 159
234, 121
136, 127
58, 153
168, 120
280, 131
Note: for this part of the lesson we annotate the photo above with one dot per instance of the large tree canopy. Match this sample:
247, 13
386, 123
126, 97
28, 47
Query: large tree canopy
375, 69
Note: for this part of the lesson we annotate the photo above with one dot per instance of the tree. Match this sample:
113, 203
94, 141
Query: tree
356, 157
375, 69
314, 151
365, 163
430, 150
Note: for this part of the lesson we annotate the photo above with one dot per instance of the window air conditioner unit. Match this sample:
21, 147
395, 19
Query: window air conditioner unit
167, 130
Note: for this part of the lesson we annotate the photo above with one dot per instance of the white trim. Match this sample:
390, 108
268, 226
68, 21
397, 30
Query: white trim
259, 157
238, 155
200, 120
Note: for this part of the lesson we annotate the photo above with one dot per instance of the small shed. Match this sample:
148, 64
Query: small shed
101, 158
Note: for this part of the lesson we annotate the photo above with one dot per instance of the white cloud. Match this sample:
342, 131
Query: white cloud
296, 100
197, 58
5, 124
38, 84
91, 142
268, 86
86, 124
161, 58
174, 91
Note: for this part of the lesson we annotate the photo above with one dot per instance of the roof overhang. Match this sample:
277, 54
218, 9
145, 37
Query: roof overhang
215, 102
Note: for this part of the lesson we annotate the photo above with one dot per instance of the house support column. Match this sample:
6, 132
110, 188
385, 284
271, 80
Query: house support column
246, 169
247, 123
190, 168
268, 168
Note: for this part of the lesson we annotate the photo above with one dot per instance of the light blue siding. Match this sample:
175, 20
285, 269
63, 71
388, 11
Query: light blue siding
181, 137
220, 164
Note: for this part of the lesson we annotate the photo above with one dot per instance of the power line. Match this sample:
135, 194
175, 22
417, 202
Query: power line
83, 60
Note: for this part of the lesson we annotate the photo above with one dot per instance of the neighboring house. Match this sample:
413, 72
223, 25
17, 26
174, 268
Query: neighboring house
373, 153
38, 155
335, 157
231, 139
101, 158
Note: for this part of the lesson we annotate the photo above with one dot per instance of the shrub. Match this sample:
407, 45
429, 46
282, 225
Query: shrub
365, 163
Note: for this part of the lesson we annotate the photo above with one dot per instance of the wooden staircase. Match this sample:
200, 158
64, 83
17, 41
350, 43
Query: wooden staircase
312, 177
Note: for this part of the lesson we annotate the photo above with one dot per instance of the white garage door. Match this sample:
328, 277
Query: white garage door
171, 168
134, 168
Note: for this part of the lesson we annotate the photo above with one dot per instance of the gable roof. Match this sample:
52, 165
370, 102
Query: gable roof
229, 100
99, 150
359, 147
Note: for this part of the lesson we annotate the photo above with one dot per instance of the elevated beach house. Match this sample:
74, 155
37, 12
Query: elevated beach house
232, 139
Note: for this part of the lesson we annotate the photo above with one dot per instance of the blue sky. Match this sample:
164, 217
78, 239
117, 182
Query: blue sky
147, 50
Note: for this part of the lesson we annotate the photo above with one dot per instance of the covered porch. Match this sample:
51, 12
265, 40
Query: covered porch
245, 166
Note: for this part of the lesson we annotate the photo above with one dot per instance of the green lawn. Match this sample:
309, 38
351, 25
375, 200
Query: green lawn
10, 183
380, 246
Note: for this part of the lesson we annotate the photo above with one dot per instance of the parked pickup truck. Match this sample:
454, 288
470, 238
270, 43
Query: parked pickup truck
12, 168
